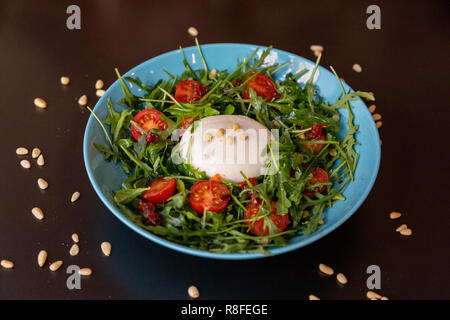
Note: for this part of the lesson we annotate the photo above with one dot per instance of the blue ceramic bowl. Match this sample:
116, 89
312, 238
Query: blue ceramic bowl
107, 177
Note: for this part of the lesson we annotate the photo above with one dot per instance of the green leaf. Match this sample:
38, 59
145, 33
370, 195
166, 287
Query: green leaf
125, 196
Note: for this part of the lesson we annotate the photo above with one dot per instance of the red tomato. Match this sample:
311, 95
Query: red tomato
147, 210
148, 119
189, 90
210, 195
316, 133
280, 220
319, 176
161, 189
244, 185
263, 86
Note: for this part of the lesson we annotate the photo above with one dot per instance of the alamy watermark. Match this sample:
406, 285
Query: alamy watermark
74, 19
374, 20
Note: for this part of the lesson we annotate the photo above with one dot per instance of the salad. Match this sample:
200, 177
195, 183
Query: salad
167, 141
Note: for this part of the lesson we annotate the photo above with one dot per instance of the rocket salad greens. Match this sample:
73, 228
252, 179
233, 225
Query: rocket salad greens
184, 205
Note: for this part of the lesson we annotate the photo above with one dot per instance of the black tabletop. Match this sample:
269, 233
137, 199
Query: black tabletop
405, 64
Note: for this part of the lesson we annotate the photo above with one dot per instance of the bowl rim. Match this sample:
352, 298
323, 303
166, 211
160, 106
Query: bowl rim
207, 254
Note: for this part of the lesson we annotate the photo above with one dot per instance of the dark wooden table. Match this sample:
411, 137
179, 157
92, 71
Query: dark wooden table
405, 64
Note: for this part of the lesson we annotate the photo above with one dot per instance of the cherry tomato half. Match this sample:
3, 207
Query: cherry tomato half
263, 86
147, 119
280, 220
319, 176
316, 133
161, 189
189, 90
210, 195
244, 185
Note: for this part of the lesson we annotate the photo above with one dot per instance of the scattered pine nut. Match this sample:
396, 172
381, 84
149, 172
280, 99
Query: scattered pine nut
313, 297
37, 213
208, 137
384, 298
316, 47
395, 215
7, 264
193, 31
82, 101
99, 92
220, 133
21, 151
235, 126
25, 164
193, 292
379, 124
65, 81
376, 116
356, 67
326, 269
42, 258
336, 117
74, 250
75, 196
85, 271
99, 84
42, 184
106, 248
55, 265
333, 152
40, 103
243, 137
75, 238
229, 140
372, 295
406, 232
372, 108
40, 160
402, 227
213, 74
341, 278
35, 153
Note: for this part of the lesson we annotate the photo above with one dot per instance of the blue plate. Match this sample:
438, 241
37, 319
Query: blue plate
107, 177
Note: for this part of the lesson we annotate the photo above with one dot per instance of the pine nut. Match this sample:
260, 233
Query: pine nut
208, 137
341, 278
313, 297
229, 140
42, 184
75, 238
193, 31
326, 269
40, 160
372, 295
402, 227
193, 292
85, 271
243, 137
99, 92
35, 153
82, 101
99, 84
235, 126
75, 196
317, 53
37, 213
333, 152
384, 298
305, 214
356, 67
376, 116
7, 264
65, 81
372, 108
336, 117
21, 151
40, 103
316, 47
379, 124
406, 232
395, 215
25, 164
74, 250
106, 248
55, 265
276, 123
42, 258
220, 133
213, 74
